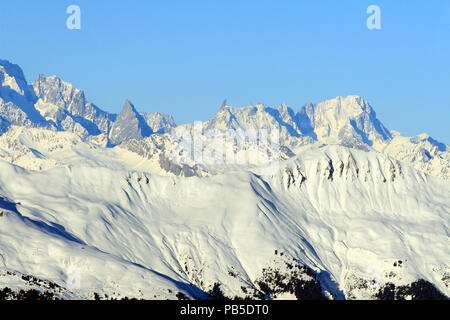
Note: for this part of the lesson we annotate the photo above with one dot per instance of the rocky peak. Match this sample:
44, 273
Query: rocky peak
58, 93
350, 120
13, 79
129, 125
67, 107
159, 122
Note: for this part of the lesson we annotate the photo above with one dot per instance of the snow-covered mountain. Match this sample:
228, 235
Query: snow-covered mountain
53, 104
348, 215
57, 105
159, 122
422, 151
256, 202
349, 121
67, 108
17, 99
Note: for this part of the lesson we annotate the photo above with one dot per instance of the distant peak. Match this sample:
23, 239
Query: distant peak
13, 70
425, 137
395, 133
53, 81
349, 105
7, 64
283, 108
128, 106
224, 104
349, 98
44, 77
260, 106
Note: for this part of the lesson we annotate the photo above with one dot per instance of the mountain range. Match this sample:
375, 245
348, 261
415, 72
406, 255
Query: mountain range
137, 206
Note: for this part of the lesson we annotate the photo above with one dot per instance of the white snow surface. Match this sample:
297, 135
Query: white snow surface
117, 200
346, 213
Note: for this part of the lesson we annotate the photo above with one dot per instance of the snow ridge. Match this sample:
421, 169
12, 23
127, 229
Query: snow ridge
344, 213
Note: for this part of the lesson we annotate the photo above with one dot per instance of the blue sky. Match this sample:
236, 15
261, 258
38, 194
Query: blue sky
185, 57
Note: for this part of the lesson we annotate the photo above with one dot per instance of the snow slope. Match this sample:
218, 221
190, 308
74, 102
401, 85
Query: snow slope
41, 149
140, 207
347, 214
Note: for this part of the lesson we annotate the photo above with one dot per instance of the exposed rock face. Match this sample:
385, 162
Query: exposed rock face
159, 122
128, 125
67, 107
348, 121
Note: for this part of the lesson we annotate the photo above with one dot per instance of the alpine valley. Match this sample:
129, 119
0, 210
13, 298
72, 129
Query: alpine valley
95, 205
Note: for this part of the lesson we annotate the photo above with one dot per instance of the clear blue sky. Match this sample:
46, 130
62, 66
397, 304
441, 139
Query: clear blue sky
184, 57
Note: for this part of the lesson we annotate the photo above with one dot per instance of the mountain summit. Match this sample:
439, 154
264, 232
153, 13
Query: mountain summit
68, 109
347, 121
129, 125
17, 98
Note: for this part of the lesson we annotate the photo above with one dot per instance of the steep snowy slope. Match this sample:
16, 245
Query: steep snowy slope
17, 99
349, 215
